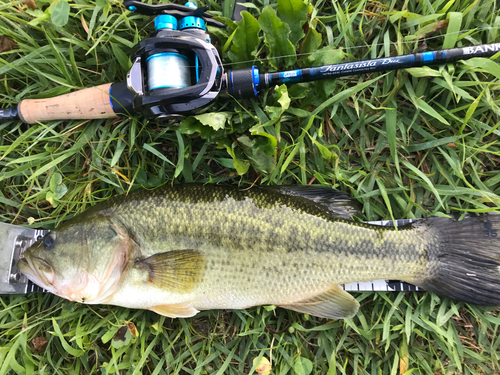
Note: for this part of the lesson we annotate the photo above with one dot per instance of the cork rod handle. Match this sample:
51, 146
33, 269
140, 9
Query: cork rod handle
91, 103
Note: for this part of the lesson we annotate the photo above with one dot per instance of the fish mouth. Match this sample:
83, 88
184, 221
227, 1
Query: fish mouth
37, 270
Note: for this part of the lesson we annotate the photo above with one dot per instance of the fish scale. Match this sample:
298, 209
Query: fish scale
180, 249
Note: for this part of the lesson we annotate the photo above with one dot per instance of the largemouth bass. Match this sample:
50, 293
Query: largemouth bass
181, 249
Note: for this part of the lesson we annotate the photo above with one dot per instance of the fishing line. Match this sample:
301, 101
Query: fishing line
371, 46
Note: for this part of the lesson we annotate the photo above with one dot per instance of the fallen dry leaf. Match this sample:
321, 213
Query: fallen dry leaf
7, 44
264, 367
403, 365
132, 329
120, 335
39, 343
30, 3
84, 24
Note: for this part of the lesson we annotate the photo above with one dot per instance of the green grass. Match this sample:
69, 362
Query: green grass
405, 144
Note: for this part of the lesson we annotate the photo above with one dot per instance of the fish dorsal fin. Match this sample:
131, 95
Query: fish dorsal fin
178, 271
177, 310
335, 303
340, 204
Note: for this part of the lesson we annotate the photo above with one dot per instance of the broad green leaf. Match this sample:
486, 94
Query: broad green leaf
342, 96
118, 153
284, 99
325, 152
294, 13
311, 42
328, 55
60, 192
68, 348
60, 13
245, 40
55, 180
51, 199
470, 111
121, 338
423, 72
383, 192
425, 179
180, 163
430, 28
216, 120
60, 61
276, 39
486, 64
157, 153
274, 113
453, 30
240, 165
228, 8
259, 151
431, 144
390, 128
121, 56
192, 125
430, 111
302, 366
23, 138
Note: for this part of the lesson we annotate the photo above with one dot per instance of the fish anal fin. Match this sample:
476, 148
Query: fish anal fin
335, 303
178, 310
178, 271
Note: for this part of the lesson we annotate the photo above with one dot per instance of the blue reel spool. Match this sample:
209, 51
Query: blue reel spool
172, 69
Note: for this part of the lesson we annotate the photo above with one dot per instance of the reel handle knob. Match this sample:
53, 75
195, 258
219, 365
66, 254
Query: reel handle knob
176, 10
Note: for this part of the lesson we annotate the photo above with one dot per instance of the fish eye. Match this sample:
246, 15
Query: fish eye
49, 241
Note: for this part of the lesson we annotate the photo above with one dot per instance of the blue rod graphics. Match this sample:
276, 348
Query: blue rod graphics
378, 65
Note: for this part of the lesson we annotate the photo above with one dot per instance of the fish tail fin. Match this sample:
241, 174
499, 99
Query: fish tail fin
465, 263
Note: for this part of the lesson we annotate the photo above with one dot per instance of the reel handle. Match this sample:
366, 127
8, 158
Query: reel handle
99, 102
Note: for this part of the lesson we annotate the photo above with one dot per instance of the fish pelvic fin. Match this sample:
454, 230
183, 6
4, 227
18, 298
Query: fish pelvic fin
335, 303
464, 263
178, 271
178, 310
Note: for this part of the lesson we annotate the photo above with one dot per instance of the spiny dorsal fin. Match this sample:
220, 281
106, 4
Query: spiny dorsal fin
333, 304
339, 203
178, 310
178, 271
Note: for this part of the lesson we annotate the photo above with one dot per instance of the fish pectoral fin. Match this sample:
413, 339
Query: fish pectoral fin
178, 271
177, 310
335, 303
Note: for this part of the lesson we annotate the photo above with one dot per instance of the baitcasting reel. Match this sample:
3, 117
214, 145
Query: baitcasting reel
177, 70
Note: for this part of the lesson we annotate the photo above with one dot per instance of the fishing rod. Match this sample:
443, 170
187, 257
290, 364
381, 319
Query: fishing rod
177, 71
